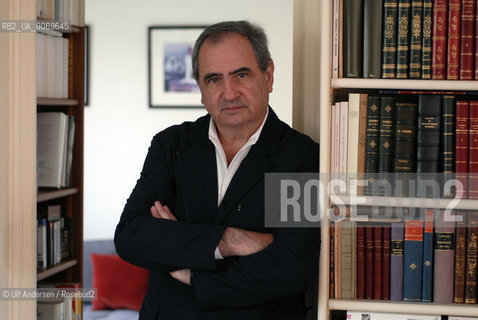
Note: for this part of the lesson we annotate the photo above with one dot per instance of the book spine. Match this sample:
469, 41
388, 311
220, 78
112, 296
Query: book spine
353, 34
338, 260
461, 145
360, 271
476, 42
372, 38
371, 148
347, 263
396, 262
377, 262
460, 261
387, 112
439, 39
416, 39
362, 141
471, 258
453, 46
369, 254
386, 234
335, 44
343, 142
403, 39
448, 134
467, 45
389, 39
413, 260
473, 152
352, 142
331, 261
427, 39
404, 152
427, 273
444, 250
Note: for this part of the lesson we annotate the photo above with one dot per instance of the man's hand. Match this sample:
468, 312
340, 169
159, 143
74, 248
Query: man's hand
162, 212
240, 242
183, 275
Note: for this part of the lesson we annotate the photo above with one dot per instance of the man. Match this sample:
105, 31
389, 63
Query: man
196, 215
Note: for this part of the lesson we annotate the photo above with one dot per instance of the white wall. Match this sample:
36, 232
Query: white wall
119, 124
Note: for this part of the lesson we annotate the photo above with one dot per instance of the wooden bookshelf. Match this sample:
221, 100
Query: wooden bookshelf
329, 87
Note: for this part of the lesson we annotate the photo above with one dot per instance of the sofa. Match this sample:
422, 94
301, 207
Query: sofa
104, 249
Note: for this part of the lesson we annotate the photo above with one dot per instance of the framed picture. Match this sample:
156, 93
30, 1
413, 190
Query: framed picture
171, 83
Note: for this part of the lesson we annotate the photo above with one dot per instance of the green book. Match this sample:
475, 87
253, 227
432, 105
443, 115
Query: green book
416, 39
353, 34
427, 39
372, 38
389, 39
403, 39
348, 259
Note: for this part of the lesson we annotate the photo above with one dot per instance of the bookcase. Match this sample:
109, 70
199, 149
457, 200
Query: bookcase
69, 196
329, 87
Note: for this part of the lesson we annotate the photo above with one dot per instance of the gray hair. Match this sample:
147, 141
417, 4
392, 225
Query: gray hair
253, 33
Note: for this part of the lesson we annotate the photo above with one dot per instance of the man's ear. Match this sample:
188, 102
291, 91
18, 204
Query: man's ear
269, 74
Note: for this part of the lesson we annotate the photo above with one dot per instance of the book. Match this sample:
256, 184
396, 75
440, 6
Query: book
471, 258
335, 41
460, 261
364, 315
360, 264
335, 139
385, 149
427, 39
461, 147
396, 261
413, 260
453, 42
389, 39
51, 310
332, 260
428, 261
347, 259
473, 151
41, 244
343, 143
467, 43
338, 259
369, 264
444, 251
416, 40
440, 16
386, 252
353, 38
448, 140
372, 143
372, 38
377, 261
403, 38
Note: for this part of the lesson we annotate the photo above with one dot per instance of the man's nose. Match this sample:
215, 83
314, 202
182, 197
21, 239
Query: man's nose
230, 90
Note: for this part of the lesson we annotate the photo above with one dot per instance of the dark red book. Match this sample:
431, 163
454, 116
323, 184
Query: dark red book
461, 145
473, 152
360, 264
476, 43
386, 235
471, 258
369, 261
467, 45
460, 260
377, 262
440, 17
453, 47
332, 262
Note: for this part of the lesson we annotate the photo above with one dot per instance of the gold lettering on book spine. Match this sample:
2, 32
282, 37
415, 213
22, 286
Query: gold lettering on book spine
427, 27
403, 27
417, 25
389, 28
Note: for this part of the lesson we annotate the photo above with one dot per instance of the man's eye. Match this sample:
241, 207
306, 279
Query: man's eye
213, 80
242, 75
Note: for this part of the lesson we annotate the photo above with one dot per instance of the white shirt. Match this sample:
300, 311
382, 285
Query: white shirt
225, 173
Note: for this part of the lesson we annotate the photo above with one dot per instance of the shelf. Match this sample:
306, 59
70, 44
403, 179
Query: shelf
55, 194
452, 204
404, 307
56, 102
406, 84
56, 269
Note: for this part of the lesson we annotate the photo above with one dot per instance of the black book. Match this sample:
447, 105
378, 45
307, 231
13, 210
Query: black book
372, 38
448, 136
427, 39
416, 39
389, 39
403, 39
353, 38
371, 148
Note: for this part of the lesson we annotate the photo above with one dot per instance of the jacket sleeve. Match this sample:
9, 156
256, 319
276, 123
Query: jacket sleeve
159, 244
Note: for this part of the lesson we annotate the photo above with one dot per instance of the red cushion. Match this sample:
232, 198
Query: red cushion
120, 284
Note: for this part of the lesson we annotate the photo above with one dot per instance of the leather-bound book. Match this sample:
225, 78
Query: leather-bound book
440, 17
471, 258
332, 261
372, 38
389, 39
369, 253
467, 46
416, 39
396, 262
360, 265
403, 39
427, 273
473, 152
377, 262
453, 36
372, 143
353, 38
444, 250
427, 39
460, 260
385, 154
386, 251
413, 260
461, 145
448, 140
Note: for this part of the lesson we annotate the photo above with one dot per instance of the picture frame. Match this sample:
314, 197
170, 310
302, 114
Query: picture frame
170, 80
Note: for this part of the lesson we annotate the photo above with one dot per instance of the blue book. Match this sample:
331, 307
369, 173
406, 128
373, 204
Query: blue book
396, 262
413, 260
427, 276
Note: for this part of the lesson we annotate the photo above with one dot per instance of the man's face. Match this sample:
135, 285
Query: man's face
234, 90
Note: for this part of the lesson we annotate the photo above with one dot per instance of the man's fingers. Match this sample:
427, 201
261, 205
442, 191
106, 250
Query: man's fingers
154, 212
169, 213
163, 212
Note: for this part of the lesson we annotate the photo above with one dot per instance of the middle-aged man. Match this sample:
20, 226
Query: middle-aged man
196, 215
